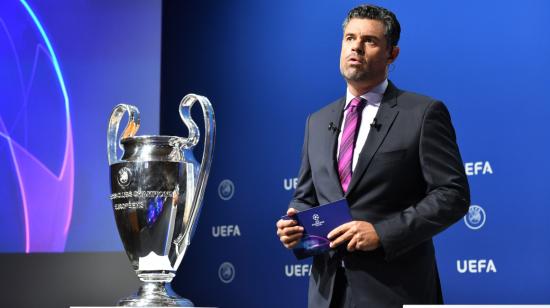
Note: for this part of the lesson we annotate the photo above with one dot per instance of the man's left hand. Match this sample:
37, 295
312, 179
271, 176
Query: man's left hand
360, 234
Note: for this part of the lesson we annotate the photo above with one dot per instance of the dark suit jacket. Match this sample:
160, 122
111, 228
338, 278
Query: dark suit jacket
409, 182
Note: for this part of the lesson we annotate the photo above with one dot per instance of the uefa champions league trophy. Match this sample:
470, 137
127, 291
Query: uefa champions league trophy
157, 190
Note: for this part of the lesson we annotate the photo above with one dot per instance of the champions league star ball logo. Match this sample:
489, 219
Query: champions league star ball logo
475, 218
317, 221
36, 136
124, 177
226, 189
226, 272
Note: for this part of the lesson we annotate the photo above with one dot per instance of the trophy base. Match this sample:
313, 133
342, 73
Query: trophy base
155, 294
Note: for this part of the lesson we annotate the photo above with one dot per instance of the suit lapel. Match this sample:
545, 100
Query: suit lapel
335, 117
385, 116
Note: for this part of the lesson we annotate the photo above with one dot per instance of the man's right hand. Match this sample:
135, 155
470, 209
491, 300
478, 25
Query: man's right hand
288, 231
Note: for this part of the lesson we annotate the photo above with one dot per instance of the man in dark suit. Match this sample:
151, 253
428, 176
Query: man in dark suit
393, 155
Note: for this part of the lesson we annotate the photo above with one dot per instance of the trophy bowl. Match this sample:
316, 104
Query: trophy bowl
157, 188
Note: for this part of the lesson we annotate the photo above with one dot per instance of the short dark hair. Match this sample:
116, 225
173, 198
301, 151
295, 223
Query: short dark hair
392, 29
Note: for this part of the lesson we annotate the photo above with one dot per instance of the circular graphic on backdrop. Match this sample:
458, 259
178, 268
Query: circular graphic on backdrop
226, 189
475, 218
226, 272
36, 142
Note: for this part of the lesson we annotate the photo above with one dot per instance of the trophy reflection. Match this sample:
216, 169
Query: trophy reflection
157, 190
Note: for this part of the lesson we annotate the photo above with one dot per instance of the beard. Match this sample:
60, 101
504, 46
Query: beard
363, 73
354, 73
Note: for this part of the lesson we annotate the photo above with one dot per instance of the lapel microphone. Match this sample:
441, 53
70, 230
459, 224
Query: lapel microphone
375, 124
332, 127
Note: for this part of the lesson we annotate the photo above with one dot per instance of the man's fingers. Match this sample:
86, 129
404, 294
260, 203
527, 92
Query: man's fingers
290, 230
292, 244
284, 223
340, 239
352, 243
291, 238
336, 232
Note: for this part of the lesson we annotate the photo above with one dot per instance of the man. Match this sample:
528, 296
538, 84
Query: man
393, 155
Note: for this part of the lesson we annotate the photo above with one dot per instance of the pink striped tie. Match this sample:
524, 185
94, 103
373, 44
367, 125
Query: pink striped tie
347, 142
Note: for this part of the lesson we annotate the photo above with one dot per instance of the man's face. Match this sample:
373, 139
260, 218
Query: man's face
365, 54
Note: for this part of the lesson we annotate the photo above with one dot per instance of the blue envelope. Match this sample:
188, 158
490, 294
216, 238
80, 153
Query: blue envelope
317, 223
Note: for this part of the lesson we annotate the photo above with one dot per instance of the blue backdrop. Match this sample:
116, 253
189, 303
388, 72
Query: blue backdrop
64, 65
266, 66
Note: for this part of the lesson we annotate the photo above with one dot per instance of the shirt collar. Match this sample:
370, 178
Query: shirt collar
373, 97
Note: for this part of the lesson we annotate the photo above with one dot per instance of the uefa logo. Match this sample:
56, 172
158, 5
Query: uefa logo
475, 218
226, 189
226, 272
124, 176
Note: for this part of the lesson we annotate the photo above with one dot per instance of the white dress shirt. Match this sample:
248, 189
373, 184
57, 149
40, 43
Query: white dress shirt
373, 98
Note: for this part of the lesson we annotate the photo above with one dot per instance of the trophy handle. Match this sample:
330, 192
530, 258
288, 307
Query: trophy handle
194, 134
129, 131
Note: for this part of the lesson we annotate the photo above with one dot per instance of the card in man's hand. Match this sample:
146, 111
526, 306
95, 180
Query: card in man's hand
317, 223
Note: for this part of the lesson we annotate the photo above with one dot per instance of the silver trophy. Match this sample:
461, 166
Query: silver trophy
157, 190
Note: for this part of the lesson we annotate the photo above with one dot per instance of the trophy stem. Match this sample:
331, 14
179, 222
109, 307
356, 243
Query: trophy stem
154, 276
156, 293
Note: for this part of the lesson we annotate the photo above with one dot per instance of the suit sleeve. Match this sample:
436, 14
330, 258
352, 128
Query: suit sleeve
304, 196
447, 192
